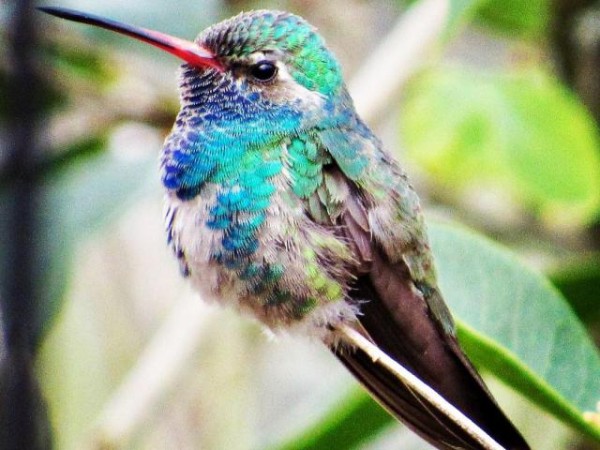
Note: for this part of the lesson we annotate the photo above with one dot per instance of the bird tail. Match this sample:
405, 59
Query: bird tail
450, 374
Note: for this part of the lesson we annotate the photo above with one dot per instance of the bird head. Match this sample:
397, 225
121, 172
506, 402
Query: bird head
276, 52
254, 63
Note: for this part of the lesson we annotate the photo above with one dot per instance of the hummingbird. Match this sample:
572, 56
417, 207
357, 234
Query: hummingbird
282, 203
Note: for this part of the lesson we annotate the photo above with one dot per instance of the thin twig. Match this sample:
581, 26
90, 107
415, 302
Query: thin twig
379, 357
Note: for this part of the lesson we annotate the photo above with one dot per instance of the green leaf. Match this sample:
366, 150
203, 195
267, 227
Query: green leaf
526, 18
514, 323
356, 419
579, 282
522, 132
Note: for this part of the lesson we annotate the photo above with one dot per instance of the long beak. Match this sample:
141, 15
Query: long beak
190, 52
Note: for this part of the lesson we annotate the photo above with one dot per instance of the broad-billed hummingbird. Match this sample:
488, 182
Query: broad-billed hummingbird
281, 202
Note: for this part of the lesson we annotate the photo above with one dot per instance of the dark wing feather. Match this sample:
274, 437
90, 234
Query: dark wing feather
404, 404
396, 315
401, 309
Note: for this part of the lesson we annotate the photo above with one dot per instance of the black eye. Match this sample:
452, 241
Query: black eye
263, 70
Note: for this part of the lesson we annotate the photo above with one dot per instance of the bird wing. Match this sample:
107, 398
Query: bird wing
401, 308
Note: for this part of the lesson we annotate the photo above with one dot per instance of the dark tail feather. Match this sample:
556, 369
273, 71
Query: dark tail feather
396, 319
404, 404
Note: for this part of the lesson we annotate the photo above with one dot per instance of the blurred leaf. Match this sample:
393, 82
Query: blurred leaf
523, 132
579, 282
515, 324
527, 18
355, 420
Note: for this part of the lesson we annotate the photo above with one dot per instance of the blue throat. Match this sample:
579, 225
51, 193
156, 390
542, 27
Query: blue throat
216, 129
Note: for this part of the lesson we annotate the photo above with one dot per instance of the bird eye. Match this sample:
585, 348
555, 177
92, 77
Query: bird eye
263, 70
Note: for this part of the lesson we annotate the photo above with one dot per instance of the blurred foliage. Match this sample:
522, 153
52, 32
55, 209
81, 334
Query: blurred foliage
526, 19
512, 125
554, 363
579, 281
86, 62
80, 201
521, 130
81, 185
461, 12
520, 18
